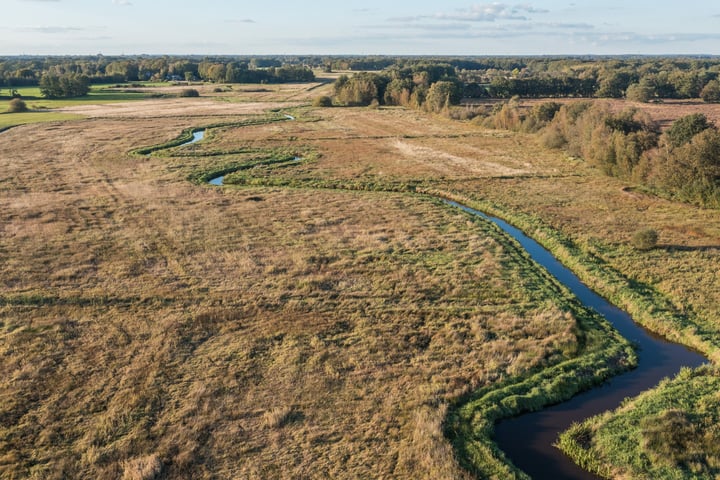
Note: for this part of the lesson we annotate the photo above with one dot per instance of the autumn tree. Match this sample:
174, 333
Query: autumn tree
442, 94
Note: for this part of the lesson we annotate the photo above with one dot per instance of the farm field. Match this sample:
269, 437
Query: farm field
315, 319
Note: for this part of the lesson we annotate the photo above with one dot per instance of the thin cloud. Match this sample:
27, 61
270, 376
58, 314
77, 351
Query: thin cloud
55, 29
486, 12
422, 26
122, 3
51, 29
241, 20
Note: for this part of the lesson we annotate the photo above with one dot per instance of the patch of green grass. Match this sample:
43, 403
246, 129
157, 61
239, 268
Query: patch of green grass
13, 119
98, 94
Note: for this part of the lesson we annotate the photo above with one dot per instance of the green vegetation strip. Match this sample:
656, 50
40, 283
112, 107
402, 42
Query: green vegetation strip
8, 120
671, 431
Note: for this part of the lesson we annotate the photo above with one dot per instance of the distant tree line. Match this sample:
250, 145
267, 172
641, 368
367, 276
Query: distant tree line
29, 71
637, 78
642, 79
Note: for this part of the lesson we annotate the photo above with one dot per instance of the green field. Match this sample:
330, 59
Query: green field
13, 119
38, 105
99, 94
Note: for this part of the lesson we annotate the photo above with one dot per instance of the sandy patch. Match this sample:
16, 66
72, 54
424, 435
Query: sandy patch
444, 161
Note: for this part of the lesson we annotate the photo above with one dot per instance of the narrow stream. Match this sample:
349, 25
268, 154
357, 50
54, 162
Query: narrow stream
197, 136
528, 440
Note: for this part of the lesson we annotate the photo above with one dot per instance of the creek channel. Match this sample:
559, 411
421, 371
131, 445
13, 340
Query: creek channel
528, 439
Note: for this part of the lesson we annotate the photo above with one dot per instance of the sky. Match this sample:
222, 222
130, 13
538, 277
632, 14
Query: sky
369, 27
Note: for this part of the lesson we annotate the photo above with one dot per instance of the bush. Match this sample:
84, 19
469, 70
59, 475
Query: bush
17, 105
322, 101
645, 239
189, 92
711, 92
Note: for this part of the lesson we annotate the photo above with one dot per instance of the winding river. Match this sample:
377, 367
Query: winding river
528, 439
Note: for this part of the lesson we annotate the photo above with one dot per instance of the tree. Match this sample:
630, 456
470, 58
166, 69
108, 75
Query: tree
442, 94
358, 90
711, 92
66, 85
692, 171
685, 128
614, 83
639, 92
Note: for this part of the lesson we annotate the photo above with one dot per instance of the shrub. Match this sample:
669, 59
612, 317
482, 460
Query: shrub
17, 105
645, 239
322, 101
189, 92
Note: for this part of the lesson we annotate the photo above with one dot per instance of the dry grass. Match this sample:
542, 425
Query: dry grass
152, 327
149, 326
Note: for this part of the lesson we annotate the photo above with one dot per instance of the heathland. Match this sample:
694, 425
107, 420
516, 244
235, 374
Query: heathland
317, 317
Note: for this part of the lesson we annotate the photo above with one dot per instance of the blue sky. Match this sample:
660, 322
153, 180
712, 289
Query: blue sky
418, 27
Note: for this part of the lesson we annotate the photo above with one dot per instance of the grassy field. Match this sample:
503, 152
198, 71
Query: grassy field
150, 324
308, 322
13, 119
99, 94
50, 110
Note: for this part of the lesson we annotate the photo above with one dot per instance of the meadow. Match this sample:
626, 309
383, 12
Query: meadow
320, 318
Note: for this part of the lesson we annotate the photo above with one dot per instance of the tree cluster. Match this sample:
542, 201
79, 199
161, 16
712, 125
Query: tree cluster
64, 86
683, 162
28, 71
241, 72
434, 87
641, 79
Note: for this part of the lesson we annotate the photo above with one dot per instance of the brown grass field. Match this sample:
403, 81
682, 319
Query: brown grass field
151, 327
